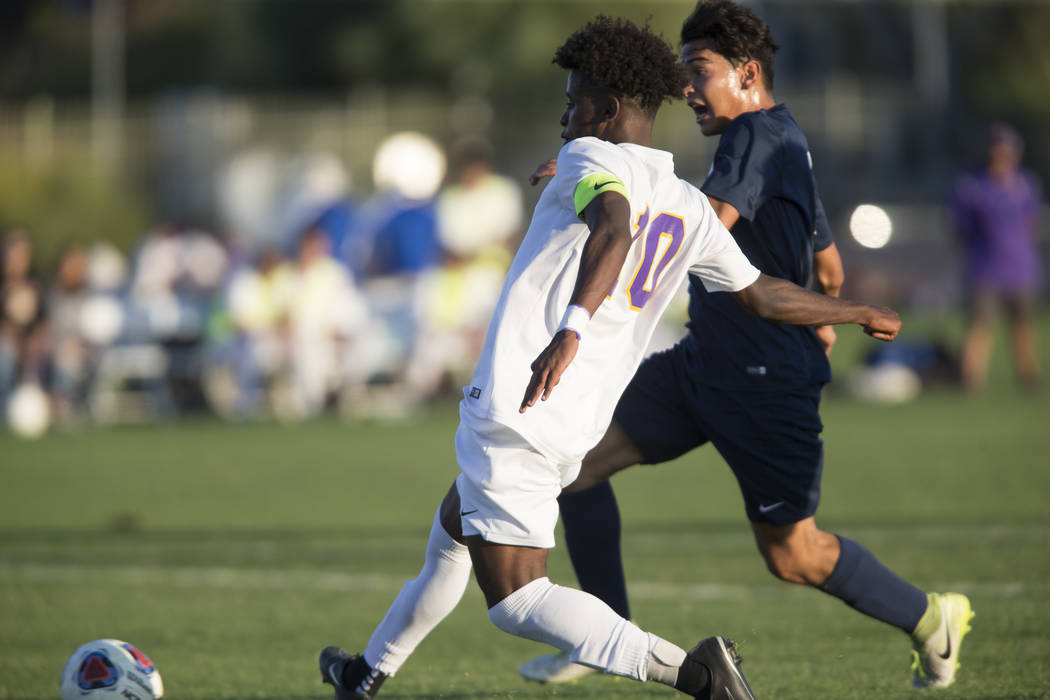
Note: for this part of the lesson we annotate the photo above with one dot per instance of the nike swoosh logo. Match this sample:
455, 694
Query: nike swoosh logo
600, 185
771, 506
467, 512
331, 674
948, 635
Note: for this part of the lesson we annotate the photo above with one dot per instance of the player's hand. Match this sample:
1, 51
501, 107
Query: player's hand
884, 323
827, 336
548, 168
549, 366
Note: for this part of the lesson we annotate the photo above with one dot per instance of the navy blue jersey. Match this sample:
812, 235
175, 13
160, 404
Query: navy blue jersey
762, 167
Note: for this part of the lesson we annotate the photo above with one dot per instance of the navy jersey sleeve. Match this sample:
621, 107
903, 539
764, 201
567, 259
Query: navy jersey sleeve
744, 169
822, 237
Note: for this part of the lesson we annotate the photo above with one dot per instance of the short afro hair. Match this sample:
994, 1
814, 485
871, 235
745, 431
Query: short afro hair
735, 32
627, 60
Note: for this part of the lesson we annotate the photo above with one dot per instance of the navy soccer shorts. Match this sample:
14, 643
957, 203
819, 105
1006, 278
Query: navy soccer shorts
770, 439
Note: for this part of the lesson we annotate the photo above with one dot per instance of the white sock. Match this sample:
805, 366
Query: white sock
583, 626
665, 659
422, 603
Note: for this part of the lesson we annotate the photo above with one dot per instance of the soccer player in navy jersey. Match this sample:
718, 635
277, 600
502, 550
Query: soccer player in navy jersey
748, 386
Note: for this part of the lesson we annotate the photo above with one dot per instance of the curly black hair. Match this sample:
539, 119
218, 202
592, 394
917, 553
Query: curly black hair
735, 32
627, 60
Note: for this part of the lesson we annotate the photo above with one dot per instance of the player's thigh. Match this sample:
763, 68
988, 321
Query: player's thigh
771, 441
615, 451
656, 415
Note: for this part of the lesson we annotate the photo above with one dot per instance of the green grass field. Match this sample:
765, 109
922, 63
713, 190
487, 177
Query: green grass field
232, 554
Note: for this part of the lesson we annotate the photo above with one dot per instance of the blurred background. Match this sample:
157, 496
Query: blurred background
278, 209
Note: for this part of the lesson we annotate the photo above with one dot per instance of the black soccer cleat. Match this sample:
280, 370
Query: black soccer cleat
719, 656
351, 675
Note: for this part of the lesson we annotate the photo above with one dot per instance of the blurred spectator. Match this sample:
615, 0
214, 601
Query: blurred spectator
401, 222
406, 243
327, 318
479, 214
407, 168
22, 330
480, 210
316, 194
70, 352
249, 357
176, 276
994, 211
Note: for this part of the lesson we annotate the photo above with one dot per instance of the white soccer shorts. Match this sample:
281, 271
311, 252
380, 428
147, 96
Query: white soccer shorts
508, 491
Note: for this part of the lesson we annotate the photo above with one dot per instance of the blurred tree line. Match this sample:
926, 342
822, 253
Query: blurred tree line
298, 46
1000, 49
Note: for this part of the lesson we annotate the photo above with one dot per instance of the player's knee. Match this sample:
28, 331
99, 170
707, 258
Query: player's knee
782, 564
794, 565
514, 613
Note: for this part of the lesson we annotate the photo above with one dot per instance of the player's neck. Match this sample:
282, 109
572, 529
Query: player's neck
756, 101
635, 131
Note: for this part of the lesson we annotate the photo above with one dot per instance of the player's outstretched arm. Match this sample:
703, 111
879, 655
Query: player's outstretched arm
829, 276
608, 216
775, 299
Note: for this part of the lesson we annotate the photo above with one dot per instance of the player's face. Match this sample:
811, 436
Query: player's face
715, 92
584, 108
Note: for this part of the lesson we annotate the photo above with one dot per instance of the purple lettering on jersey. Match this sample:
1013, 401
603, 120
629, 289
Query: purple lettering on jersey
665, 224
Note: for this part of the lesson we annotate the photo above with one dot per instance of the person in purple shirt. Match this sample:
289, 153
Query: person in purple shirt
994, 211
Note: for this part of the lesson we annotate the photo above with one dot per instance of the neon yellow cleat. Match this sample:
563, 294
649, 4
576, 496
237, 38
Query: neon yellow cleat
936, 659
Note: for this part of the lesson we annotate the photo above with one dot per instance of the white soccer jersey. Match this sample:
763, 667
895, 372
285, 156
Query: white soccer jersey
675, 232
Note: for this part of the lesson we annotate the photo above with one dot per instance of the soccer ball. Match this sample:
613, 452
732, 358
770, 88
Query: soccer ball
110, 668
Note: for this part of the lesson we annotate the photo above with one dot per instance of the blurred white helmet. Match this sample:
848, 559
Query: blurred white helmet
409, 163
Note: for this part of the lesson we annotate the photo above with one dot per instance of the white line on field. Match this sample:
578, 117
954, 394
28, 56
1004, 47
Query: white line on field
321, 580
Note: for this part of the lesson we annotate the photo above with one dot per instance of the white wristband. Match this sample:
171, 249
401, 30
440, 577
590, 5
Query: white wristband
575, 320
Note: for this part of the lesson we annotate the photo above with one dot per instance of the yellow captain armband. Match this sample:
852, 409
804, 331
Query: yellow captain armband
593, 185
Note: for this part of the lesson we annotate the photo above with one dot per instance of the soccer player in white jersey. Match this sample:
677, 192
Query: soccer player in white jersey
612, 238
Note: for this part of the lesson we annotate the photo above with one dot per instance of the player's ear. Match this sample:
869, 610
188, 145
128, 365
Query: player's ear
611, 110
750, 75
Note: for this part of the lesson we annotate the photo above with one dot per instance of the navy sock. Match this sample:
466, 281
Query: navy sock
591, 520
866, 585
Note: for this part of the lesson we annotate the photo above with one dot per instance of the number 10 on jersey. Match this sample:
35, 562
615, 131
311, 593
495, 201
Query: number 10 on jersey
662, 239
